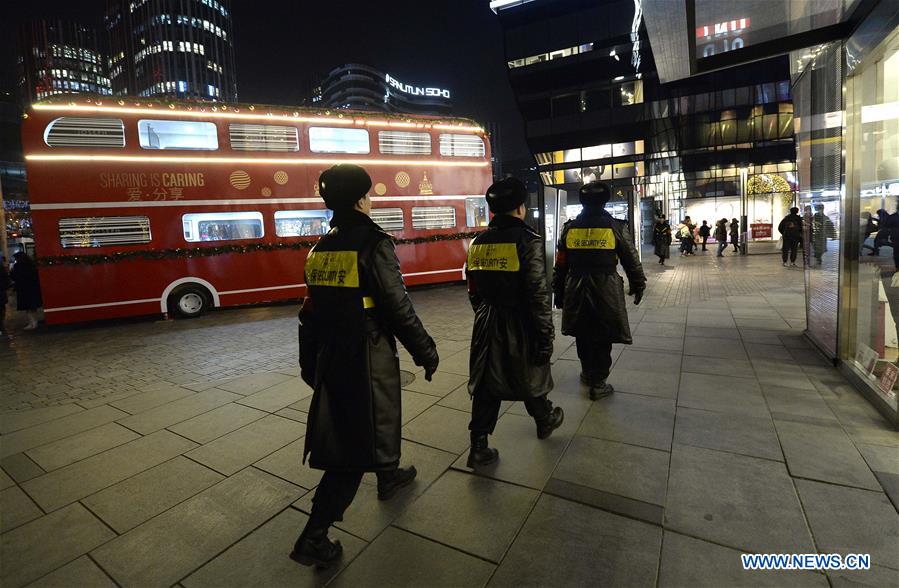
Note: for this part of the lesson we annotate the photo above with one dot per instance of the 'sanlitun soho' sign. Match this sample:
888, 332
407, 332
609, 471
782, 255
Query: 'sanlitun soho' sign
416, 90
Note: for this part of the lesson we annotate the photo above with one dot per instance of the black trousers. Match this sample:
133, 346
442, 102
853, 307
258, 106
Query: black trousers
789, 248
485, 411
596, 358
705, 240
333, 496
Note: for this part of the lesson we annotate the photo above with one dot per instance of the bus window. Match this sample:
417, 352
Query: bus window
334, 140
263, 138
103, 231
404, 143
302, 223
177, 134
389, 219
433, 217
69, 131
476, 212
462, 146
222, 226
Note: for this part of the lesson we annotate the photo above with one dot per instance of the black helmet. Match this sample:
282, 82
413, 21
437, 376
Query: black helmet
343, 185
506, 194
595, 194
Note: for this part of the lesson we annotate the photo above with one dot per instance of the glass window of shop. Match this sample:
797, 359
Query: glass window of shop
872, 162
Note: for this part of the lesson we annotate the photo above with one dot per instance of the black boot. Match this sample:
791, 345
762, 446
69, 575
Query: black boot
389, 483
314, 548
480, 454
552, 422
600, 390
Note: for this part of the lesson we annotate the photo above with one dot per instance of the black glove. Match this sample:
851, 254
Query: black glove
429, 371
638, 295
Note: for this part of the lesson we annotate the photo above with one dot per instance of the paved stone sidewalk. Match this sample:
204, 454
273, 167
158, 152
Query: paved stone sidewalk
162, 453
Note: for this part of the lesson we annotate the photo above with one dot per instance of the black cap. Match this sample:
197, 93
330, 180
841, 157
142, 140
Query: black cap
506, 194
794, 210
343, 185
595, 194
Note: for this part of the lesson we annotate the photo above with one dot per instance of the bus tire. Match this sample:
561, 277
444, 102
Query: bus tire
189, 301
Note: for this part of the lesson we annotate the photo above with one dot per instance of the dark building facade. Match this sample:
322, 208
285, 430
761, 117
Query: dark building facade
362, 87
719, 145
59, 57
177, 48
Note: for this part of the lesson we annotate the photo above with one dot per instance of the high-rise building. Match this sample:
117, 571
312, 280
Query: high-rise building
586, 81
177, 48
59, 57
362, 87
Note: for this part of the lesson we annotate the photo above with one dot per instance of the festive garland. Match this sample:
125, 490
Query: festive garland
191, 252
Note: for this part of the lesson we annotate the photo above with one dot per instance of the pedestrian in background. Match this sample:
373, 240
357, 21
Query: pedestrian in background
735, 235
27, 286
512, 337
356, 308
790, 229
823, 230
705, 231
588, 288
661, 239
721, 236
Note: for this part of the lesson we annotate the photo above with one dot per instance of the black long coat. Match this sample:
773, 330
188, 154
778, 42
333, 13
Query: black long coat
26, 284
588, 283
356, 309
661, 238
512, 338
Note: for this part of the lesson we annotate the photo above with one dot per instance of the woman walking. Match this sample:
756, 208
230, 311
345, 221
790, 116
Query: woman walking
661, 238
721, 236
735, 235
27, 287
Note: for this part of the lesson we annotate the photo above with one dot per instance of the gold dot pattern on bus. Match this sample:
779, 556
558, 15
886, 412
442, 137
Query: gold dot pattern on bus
281, 177
403, 179
240, 179
266, 191
380, 189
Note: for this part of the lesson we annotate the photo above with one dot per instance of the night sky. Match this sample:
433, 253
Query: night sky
284, 46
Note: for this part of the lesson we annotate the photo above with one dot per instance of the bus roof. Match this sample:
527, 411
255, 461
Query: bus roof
94, 103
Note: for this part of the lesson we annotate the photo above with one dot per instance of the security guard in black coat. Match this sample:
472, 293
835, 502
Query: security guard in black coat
512, 338
588, 288
356, 308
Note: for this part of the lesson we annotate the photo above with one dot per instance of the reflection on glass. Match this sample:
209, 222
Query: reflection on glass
222, 226
302, 223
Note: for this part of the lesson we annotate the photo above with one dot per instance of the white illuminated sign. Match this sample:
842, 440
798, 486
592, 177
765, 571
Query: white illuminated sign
416, 90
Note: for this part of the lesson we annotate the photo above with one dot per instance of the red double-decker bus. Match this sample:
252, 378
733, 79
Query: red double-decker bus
145, 207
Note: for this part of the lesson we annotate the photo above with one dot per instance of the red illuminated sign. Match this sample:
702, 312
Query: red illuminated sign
722, 28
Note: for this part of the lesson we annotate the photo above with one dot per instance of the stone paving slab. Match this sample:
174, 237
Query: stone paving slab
169, 547
54, 430
687, 561
177, 411
742, 502
561, 545
629, 418
260, 559
236, 450
735, 433
5, 481
16, 509
211, 425
49, 542
152, 398
851, 520
129, 503
441, 428
77, 447
403, 560
14, 421
81, 572
83, 478
278, 396
252, 383
21, 468
638, 473
470, 513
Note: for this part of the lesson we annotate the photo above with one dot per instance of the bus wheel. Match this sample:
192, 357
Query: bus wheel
188, 301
